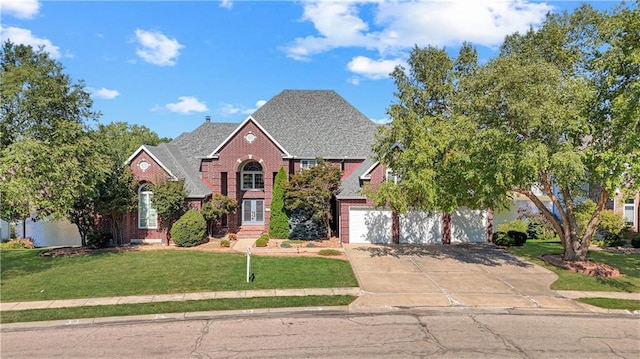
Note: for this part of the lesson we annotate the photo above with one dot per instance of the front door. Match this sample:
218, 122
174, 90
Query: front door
253, 211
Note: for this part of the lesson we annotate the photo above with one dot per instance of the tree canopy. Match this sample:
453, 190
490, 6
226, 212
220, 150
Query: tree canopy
557, 109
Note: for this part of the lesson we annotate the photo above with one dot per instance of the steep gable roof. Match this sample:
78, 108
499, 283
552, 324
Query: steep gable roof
312, 123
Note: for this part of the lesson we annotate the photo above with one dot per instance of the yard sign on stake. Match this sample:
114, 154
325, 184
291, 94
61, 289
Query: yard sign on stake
248, 262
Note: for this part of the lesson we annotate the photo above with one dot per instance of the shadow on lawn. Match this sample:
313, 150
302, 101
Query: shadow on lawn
485, 254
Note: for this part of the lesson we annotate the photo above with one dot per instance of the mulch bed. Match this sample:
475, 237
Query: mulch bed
588, 267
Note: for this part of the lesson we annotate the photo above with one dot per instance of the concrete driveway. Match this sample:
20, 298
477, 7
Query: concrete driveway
464, 275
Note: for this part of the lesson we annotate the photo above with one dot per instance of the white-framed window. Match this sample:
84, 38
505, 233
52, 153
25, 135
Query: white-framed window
306, 164
147, 215
630, 212
252, 176
391, 176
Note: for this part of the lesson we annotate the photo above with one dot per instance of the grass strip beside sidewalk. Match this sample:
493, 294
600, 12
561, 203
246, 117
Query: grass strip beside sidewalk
27, 277
32, 315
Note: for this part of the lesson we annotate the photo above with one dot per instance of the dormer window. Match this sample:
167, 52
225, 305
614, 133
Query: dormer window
306, 164
252, 176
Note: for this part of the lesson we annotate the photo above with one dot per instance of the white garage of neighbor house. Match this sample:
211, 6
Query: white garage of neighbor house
371, 225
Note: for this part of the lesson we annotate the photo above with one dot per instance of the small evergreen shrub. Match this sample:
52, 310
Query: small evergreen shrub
310, 245
261, 242
97, 240
265, 237
635, 241
279, 221
329, 252
189, 230
502, 239
285, 245
225, 243
613, 240
519, 238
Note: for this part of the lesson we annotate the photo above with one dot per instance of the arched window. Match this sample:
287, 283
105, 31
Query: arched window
252, 176
147, 216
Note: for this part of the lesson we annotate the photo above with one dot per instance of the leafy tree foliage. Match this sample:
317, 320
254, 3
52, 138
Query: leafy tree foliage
557, 109
214, 209
279, 220
311, 191
47, 162
169, 201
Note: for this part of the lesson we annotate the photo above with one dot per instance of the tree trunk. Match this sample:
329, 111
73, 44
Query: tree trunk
446, 228
24, 228
395, 227
490, 225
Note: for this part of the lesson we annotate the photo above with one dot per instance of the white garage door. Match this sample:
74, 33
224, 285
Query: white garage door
469, 226
368, 225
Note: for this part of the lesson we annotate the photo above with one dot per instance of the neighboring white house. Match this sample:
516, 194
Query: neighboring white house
4, 229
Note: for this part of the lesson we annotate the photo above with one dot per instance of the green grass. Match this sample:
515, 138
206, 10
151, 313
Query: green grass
628, 264
611, 303
172, 307
25, 276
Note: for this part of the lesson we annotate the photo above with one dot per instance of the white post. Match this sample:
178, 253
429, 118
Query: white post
248, 262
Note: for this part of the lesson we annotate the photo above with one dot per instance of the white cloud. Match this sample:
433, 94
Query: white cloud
21, 9
25, 37
155, 48
382, 121
227, 4
103, 93
373, 69
186, 105
227, 109
398, 25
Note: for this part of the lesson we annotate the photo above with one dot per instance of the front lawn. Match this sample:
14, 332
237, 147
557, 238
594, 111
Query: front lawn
25, 276
628, 264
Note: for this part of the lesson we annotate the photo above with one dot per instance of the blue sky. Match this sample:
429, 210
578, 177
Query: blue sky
167, 65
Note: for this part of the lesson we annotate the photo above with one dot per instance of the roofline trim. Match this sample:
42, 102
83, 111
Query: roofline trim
145, 149
367, 174
249, 118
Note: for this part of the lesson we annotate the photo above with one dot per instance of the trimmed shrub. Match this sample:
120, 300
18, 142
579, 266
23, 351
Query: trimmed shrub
635, 241
502, 239
261, 242
285, 245
310, 245
232, 236
189, 230
611, 222
225, 243
97, 240
519, 238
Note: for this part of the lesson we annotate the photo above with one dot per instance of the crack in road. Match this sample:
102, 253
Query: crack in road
203, 332
507, 343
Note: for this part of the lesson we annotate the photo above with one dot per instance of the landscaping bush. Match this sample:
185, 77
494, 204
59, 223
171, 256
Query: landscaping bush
635, 241
310, 245
613, 240
517, 225
502, 239
285, 245
279, 220
25, 243
261, 242
189, 230
232, 236
97, 240
519, 238
225, 243
329, 252
611, 222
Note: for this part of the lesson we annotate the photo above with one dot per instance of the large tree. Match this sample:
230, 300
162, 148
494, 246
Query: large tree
558, 109
46, 154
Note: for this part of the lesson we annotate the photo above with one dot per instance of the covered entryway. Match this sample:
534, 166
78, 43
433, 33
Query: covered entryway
252, 212
370, 225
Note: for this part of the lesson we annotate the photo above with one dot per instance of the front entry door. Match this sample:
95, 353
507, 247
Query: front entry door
252, 211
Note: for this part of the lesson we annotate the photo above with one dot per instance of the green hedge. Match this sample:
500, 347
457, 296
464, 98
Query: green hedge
189, 230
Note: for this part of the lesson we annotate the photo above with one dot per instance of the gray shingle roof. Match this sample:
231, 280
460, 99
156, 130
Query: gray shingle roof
174, 160
317, 123
306, 123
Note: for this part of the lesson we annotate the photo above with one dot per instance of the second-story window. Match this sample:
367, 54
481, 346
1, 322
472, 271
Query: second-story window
252, 176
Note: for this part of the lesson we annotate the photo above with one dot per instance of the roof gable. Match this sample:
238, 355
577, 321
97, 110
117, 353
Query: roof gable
148, 152
241, 126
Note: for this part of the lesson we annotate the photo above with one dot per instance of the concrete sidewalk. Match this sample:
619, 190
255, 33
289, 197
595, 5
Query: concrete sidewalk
88, 302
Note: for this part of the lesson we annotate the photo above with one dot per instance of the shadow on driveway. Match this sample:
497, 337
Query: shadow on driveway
484, 254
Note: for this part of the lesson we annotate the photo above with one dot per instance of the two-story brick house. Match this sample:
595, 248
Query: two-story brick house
241, 160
